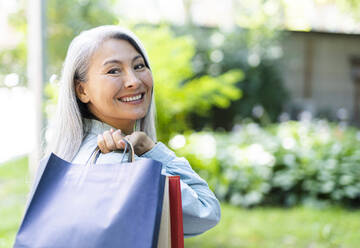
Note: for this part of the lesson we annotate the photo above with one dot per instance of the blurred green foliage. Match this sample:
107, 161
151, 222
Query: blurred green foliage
350, 7
177, 92
256, 50
64, 19
203, 76
285, 164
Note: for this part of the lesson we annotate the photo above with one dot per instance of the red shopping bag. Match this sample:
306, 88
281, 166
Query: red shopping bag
171, 227
176, 217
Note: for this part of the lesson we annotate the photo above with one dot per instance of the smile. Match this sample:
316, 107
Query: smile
132, 98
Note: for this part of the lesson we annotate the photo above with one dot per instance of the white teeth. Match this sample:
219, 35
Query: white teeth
129, 99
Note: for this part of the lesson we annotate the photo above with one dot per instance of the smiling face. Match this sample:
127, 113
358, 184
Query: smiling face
118, 86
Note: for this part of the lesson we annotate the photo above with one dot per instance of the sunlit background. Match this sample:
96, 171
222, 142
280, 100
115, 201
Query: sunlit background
261, 96
328, 26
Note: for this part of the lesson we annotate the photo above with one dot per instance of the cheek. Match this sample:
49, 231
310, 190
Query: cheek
102, 90
147, 79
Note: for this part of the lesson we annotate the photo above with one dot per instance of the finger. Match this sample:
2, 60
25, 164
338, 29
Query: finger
101, 144
139, 142
118, 139
132, 138
109, 142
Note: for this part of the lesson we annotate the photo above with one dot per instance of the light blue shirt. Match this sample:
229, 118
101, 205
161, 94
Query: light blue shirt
201, 209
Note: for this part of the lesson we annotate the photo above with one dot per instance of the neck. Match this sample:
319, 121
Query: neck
126, 126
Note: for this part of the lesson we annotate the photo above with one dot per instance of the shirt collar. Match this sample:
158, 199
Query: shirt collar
96, 127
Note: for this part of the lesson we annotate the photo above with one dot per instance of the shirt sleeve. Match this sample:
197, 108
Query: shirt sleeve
201, 209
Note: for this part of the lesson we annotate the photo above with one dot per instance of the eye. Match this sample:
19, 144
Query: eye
113, 71
139, 66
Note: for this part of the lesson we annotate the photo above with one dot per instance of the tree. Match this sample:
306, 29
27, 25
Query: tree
65, 19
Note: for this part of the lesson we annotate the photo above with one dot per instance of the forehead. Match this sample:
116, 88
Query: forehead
114, 49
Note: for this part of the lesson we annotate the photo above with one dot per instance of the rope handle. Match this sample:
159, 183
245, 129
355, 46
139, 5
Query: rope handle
128, 148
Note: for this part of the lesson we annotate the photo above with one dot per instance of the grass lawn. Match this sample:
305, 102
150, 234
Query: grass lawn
259, 227
13, 189
277, 227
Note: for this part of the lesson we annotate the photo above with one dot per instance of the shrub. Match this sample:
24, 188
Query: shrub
257, 53
288, 163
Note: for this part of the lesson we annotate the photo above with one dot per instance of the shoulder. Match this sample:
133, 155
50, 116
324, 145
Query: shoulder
87, 146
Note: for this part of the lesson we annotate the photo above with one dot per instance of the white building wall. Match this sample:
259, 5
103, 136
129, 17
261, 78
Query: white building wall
332, 86
293, 65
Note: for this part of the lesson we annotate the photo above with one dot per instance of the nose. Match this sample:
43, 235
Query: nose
131, 80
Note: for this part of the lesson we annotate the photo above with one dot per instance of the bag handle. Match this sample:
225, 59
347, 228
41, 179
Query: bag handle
128, 148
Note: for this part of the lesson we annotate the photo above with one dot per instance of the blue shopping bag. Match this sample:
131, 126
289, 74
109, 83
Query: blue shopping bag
108, 205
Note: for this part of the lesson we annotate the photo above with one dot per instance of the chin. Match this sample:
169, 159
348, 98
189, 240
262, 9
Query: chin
137, 116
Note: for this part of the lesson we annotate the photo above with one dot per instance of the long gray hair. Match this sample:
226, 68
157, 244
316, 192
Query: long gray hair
69, 128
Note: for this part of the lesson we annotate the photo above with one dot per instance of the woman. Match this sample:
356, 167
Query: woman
107, 94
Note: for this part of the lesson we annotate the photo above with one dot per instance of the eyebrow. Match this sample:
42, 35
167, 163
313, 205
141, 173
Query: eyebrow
115, 61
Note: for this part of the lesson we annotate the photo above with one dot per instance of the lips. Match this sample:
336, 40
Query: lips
131, 98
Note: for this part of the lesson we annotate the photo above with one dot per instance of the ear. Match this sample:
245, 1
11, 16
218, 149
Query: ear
81, 92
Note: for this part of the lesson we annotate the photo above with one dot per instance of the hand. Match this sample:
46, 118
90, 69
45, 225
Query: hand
113, 140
